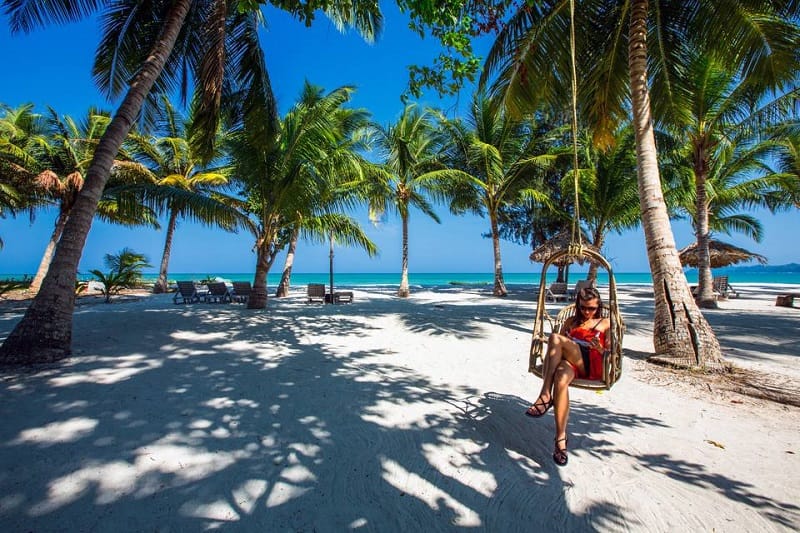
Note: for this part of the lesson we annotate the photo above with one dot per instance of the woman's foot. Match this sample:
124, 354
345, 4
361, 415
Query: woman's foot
560, 454
539, 407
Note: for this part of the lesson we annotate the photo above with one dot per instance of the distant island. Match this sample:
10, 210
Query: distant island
774, 269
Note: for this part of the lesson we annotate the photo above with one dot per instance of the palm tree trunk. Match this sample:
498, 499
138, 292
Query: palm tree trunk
45, 332
597, 243
705, 295
161, 283
286, 276
47, 257
681, 334
258, 296
403, 291
499, 283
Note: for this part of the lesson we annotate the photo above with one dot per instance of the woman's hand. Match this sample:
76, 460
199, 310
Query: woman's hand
595, 343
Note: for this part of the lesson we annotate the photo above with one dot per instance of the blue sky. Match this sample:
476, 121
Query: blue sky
53, 67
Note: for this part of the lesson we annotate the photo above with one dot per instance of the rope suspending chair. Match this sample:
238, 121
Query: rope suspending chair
576, 251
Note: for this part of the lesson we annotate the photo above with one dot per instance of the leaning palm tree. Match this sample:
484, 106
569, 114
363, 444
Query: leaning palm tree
409, 151
617, 72
181, 185
215, 39
499, 156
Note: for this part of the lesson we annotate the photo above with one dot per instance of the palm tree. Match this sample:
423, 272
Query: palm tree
321, 217
533, 61
409, 151
499, 156
283, 176
608, 194
65, 157
787, 164
221, 40
720, 121
21, 137
182, 185
125, 271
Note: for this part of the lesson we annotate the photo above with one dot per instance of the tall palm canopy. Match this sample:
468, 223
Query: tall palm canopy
284, 176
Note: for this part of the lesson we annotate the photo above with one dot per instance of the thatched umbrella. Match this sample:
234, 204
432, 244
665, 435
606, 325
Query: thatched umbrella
560, 242
721, 254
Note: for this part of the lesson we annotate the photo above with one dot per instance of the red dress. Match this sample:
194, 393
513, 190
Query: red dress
595, 356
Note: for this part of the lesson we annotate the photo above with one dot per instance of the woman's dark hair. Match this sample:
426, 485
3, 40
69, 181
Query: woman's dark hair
589, 293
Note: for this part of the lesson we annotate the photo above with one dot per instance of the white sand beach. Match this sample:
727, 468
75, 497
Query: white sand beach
389, 415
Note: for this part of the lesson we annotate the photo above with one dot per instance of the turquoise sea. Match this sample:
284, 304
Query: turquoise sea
468, 279
343, 280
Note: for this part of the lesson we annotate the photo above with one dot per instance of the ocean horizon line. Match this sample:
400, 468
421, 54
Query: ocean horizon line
355, 279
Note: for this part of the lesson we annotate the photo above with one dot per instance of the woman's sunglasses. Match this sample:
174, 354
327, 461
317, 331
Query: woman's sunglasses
588, 307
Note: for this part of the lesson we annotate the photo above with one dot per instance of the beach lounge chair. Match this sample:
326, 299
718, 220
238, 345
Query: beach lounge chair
241, 291
557, 291
316, 293
218, 292
186, 293
343, 297
722, 288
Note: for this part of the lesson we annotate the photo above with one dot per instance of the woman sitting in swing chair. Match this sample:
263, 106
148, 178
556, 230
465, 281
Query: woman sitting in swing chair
574, 352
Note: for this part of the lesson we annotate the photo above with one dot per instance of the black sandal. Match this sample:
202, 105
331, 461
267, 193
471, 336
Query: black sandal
560, 456
539, 407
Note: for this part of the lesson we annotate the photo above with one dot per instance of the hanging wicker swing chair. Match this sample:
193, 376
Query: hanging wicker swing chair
612, 358
575, 251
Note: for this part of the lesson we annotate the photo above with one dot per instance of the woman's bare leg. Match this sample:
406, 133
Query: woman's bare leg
559, 348
563, 376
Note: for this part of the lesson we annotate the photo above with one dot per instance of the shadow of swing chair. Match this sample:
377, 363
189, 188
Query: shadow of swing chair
612, 358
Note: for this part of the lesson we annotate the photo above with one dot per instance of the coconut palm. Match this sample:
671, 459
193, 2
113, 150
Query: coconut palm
322, 216
65, 157
21, 136
284, 174
720, 123
787, 164
499, 156
609, 200
409, 151
125, 271
137, 45
617, 73
181, 185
